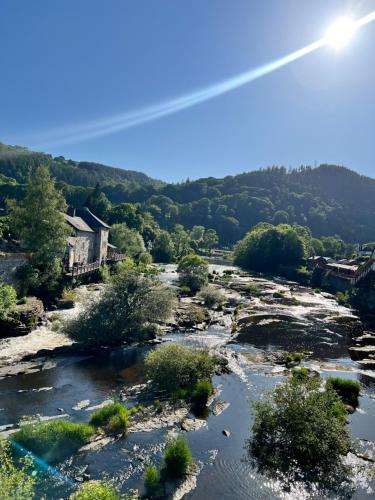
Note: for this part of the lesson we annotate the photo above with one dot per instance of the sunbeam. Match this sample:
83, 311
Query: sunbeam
116, 123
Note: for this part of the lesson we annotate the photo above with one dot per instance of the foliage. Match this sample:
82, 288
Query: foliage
53, 441
39, 223
151, 477
301, 373
15, 479
128, 241
95, 490
130, 309
163, 248
211, 296
348, 390
267, 248
98, 203
128, 214
177, 457
8, 299
253, 289
69, 294
300, 424
112, 418
343, 298
293, 358
193, 272
202, 391
172, 367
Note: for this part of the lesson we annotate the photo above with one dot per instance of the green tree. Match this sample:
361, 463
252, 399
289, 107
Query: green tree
8, 299
163, 248
15, 479
98, 203
38, 221
210, 239
193, 272
127, 213
181, 241
127, 240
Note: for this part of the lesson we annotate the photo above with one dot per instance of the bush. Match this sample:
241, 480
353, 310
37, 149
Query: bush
173, 367
203, 390
293, 359
211, 296
8, 299
300, 424
253, 289
113, 418
343, 298
301, 374
130, 309
177, 457
95, 490
53, 441
193, 272
348, 390
16, 483
152, 478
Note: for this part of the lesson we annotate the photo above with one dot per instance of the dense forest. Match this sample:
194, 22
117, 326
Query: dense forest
329, 199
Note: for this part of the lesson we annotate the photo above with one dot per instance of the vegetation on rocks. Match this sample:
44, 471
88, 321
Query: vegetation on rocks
151, 478
16, 481
348, 390
130, 309
193, 272
201, 393
211, 296
53, 441
113, 418
302, 425
173, 368
177, 457
96, 490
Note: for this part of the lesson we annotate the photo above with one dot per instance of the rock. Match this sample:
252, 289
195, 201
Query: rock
82, 404
226, 433
218, 407
23, 319
60, 410
362, 352
192, 424
367, 338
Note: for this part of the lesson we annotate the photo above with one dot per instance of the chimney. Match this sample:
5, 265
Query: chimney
72, 211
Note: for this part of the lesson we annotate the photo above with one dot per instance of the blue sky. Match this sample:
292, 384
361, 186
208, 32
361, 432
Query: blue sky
69, 62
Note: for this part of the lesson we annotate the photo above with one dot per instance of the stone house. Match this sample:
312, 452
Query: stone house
89, 240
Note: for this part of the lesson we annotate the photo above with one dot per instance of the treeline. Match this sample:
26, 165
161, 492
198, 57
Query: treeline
329, 199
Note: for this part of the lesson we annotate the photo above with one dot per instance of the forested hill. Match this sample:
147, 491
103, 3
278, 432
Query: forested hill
15, 162
329, 199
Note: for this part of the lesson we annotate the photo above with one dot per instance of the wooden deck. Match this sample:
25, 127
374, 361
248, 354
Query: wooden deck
81, 269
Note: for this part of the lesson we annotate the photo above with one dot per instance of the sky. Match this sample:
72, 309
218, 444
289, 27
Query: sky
73, 62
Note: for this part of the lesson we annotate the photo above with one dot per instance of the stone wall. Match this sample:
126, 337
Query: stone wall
9, 262
83, 250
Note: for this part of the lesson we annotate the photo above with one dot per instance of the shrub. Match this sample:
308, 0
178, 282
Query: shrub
15, 481
300, 424
130, 309
253, 289
152, 478
278, 294
293, 359
193, 272
174, 367
348, 390
54, 440
69, 294
177, 457
8, 299
112, 418
203, 390
185, 290
301, 374
211, 296
95, 490
343, 298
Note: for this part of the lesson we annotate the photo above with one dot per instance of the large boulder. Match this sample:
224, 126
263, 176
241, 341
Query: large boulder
23, 319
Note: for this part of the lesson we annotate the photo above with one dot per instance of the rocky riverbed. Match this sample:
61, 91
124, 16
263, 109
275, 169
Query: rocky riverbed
261, 321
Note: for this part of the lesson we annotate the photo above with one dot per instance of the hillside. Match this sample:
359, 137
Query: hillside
329, 199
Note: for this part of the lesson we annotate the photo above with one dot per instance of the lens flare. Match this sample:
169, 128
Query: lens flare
338, 35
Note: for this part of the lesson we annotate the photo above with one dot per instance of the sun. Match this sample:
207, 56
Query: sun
340, 32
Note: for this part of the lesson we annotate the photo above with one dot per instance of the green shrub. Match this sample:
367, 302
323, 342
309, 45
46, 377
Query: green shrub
151, 477
278, 294
8, 299
293, 359
53, 441
95, 490
300, 424
16, 482
113, 418
173, 367
211, 296
193, 272
343, 298
69, 294
253, 289
177, 457
348, 390
202, 391
301, 374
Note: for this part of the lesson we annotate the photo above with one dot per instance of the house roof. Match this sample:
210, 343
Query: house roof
91, 219
78, 223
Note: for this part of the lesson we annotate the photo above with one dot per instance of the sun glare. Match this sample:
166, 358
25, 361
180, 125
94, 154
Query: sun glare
340, 32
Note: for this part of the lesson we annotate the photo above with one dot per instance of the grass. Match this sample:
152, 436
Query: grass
151, 478
53, 441
293, 359
201, 393
177, 457
113, 419
95, 490
348, 390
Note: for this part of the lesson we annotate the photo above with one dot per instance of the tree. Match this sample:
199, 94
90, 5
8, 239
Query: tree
128, 214
98, 203
127, 240
15, 480
163, 248
210, 239
8, 299
130, 309
181, 241
39, 223
193, 272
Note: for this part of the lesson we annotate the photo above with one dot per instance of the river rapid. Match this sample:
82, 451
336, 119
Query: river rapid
282, 317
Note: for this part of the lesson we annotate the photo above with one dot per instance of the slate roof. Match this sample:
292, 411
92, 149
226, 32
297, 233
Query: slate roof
78, 223
91, 219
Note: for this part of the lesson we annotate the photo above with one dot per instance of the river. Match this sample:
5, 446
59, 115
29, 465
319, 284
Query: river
74, 385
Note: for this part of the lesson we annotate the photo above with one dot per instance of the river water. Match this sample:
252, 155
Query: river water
74, 385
